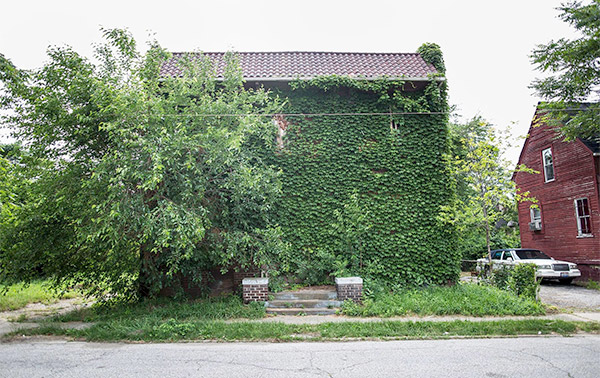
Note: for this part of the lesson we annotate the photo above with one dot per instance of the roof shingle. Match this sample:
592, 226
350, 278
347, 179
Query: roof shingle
306, 65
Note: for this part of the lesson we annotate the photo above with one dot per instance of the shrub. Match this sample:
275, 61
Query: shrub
522, 281
519, 279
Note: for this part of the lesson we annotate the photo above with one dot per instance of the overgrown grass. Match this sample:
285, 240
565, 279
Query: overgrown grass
20, 295
462, 299
159, 310
177, 330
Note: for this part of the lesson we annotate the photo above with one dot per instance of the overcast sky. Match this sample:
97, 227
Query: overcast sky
486, 44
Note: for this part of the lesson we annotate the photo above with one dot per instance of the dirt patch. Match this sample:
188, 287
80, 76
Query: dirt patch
27, 316
37, 311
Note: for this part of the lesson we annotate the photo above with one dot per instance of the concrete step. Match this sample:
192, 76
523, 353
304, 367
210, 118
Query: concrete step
306, 295
303, 303
301, 311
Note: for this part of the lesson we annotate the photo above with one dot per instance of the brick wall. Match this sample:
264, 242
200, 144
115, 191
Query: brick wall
239, 276
255, 289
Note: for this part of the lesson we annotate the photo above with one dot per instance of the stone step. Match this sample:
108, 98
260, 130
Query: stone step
301, 311
303, 303
306, 295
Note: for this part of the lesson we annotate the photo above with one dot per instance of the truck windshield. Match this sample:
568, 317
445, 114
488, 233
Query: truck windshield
531, 254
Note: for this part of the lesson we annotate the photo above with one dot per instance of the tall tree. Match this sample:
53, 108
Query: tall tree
573, 69
151, 177
485, 192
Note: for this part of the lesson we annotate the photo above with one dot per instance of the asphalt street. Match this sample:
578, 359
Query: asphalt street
510, 357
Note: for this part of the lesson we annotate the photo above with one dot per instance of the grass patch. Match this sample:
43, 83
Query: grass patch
177, 330
461, 299
20, 295
158, 310
590, 284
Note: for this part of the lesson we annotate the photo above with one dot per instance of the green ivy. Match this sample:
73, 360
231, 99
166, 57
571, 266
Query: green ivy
333, 165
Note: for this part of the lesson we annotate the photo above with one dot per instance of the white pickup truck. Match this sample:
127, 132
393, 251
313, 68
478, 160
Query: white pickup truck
547, 267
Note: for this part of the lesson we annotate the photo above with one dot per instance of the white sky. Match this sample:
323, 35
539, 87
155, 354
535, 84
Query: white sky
485, 43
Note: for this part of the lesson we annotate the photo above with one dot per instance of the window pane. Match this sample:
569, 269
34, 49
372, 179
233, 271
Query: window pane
549, 172
548, 164
531, 254
586, 227
547, 157
585, 209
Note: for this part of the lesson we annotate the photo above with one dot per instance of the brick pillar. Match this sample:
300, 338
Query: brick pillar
349, 288
255, 289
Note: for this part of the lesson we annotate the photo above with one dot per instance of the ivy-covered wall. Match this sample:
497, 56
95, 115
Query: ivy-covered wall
363, 191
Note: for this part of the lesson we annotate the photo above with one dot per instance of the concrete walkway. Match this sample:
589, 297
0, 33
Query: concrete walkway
318, 319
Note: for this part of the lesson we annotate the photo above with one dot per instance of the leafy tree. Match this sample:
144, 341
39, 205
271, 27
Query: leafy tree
485, 192
350, 232
574, 72
150, 178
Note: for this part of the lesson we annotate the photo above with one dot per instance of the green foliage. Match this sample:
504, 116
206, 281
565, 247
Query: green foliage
519, 279
351, 227
500, 277
572, 72
486, 199
523, 281
432, 53
592, 285
462, 299
150, 179
363, 192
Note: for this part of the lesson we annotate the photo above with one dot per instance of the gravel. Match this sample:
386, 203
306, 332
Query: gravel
570, 296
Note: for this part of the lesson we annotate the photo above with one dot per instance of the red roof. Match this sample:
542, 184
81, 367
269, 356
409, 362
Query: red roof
306, 65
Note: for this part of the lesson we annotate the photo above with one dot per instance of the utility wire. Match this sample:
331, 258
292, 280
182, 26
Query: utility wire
300, 114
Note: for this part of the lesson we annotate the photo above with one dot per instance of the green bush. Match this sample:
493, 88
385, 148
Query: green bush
500, 277
523, 282
519, 279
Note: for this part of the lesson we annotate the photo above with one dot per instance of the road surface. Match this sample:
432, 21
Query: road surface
511, 357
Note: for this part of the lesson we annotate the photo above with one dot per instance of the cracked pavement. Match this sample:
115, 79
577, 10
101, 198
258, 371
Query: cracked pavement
510, 357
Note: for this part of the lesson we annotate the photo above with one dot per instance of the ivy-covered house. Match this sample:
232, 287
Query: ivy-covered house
361, 146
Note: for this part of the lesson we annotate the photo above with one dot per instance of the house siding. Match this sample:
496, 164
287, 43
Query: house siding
575, 177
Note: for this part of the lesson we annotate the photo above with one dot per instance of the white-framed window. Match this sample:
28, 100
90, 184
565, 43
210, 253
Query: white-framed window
584, 220
535, 214
548, 164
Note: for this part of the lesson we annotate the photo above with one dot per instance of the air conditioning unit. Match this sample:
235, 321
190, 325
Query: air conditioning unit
535, 226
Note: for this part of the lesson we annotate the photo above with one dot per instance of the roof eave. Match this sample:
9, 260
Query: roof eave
288, 79
389, 78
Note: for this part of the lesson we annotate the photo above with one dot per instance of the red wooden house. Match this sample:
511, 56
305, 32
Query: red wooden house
566, 224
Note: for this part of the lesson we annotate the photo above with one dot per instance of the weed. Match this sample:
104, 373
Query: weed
462, 299
590, 284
